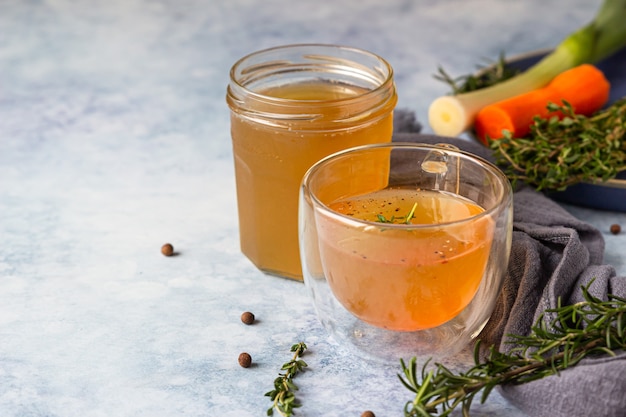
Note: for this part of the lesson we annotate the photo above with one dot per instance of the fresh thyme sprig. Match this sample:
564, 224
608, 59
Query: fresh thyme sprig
559, 153
576, 331
494, 73
402, 219
283, 395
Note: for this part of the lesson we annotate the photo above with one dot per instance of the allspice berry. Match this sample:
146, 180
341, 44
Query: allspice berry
245, 360
167, 249
247, 318
615, 229
368, 413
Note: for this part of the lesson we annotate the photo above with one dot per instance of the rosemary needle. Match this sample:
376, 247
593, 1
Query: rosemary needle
404, 219
493, 73
592, 326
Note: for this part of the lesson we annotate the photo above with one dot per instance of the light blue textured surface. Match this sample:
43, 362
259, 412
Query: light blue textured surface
114, 139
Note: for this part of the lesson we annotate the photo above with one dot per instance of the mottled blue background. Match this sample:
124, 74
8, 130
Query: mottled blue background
114, 139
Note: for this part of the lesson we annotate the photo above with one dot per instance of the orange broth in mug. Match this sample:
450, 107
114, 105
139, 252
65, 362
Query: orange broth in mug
401, 277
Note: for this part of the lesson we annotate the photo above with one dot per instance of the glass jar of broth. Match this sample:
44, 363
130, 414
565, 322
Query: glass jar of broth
290, 107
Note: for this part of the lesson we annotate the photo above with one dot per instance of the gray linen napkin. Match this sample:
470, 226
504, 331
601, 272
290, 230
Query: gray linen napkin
553, 254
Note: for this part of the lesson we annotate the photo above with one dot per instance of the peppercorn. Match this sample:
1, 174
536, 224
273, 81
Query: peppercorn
368, 413
245, 360
616, 229
247, 317
167, 249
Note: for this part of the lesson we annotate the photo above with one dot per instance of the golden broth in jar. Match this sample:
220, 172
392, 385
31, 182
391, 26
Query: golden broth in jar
280, 130
405, 279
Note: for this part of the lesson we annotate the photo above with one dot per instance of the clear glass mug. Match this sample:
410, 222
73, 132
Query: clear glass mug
404, 247
290, 107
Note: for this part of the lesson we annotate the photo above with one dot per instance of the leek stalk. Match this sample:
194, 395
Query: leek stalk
603, 36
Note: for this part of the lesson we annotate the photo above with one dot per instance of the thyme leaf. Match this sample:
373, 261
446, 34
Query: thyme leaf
558, 153
283, 395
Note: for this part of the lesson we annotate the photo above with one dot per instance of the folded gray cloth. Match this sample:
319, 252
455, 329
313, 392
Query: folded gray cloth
553, 254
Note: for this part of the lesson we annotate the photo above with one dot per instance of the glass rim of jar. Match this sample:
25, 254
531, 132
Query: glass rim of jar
383, 82
505, 194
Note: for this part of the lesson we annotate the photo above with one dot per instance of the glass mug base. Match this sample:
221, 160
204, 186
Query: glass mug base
385, 346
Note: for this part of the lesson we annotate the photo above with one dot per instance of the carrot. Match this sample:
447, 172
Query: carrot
584, 87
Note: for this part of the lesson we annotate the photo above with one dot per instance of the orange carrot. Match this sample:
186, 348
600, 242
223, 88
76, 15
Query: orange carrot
584, 87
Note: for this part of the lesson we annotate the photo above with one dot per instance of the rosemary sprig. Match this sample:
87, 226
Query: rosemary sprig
493, 73
283, 395
576, 331
559, 153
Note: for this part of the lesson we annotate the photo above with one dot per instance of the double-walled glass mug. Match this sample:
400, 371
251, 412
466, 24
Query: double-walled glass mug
290, 107
404, 247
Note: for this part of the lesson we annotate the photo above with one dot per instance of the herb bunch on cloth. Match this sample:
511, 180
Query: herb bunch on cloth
553, 256
559, 153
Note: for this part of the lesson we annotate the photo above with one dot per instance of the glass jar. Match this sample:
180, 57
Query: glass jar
291, 106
